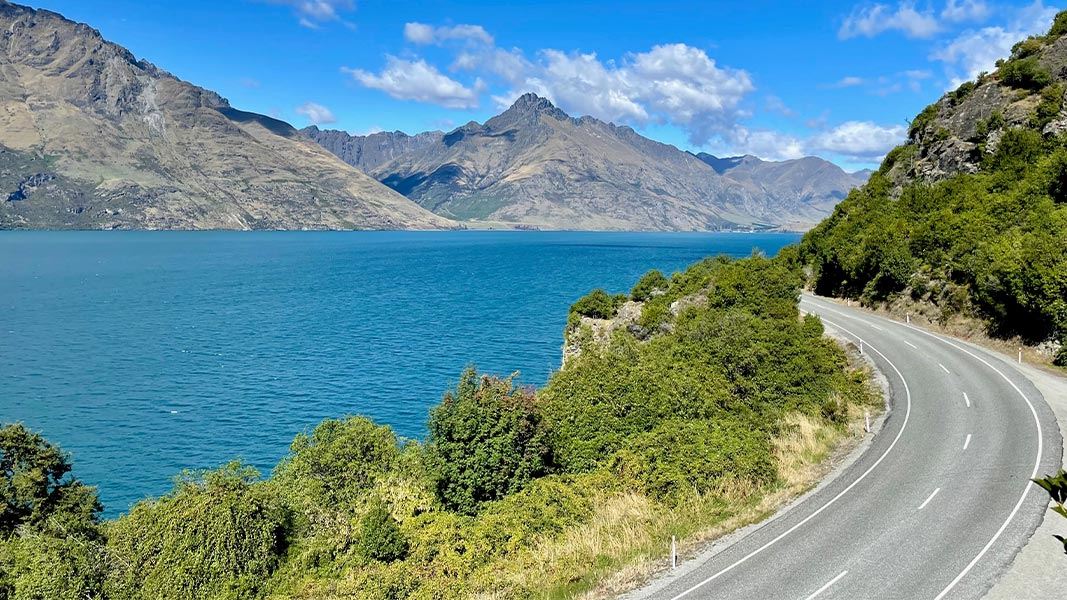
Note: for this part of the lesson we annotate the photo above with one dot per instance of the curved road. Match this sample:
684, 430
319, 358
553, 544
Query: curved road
936, 507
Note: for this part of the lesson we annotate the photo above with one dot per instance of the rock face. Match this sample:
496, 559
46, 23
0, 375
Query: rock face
91, 137
368, 152
954, 134
535, 165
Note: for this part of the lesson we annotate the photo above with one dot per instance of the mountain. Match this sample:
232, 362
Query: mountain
814, 181
966, 223
368, 152
92, 137
536, 165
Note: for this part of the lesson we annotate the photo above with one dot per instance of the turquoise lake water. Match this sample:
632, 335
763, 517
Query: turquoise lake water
143, 353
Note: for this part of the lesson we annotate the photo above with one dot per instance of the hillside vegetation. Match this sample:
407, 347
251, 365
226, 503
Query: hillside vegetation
969, 217
721, 404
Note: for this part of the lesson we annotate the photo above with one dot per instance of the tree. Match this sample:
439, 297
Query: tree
598, 304
51, 545
649, 284
486, 440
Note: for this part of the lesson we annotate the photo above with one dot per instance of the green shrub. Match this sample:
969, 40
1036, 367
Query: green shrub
1059, 26
598, 304
379, 535
650, 283
486, 440
219, 534
333, 466
1025, 74
679, 458
965, 89
921, 121
1028, 47
1050, 106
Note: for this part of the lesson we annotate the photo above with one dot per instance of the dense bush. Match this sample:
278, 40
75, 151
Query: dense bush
999, 236
598, 304
379, 535
650, 283
329, 469
219, 534
486, 440
1025, 73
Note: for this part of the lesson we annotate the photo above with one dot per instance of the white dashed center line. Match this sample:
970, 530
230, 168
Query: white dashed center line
927, 501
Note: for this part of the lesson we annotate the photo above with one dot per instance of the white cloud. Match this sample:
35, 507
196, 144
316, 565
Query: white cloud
862, 140
316, 114
850, 81
422, 34
312, 13
777, 105
873, 19
965, 10
417, 80
973, 52
672, 83
765, 144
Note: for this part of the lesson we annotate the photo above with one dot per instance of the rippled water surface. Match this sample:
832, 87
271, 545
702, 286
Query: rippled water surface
146, 353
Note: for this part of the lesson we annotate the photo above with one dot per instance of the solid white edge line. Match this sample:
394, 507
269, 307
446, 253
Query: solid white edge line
967, 442
927, 501
1026, 487
827, 586
904, 424
944, 369
1037, 462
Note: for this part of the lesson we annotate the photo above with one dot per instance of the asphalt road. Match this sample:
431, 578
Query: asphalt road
936, 507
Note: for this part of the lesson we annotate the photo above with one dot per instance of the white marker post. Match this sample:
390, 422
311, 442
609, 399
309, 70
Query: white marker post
861, 346
907, 317
1020, 356
674, 553
867, 421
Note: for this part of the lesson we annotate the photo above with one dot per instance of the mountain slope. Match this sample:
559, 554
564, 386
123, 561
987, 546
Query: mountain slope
816, 182
91, 137
536, 165
968, 219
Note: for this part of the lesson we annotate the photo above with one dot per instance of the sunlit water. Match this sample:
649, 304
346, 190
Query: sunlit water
146, 353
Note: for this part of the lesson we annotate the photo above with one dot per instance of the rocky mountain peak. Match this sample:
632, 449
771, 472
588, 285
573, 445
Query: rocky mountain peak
532, 104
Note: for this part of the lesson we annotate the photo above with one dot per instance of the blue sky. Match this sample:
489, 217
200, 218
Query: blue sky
775, 79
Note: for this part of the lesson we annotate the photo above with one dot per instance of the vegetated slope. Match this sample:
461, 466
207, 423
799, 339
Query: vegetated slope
712, 403
969, 217
91, 137
534, 164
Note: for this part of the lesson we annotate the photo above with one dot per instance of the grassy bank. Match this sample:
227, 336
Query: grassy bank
700, 403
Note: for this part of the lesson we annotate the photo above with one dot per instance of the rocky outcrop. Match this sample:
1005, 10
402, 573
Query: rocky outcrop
124, 144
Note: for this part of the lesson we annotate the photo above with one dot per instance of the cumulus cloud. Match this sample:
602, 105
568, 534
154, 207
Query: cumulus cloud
422, 34
873, 19
312, 13
765, 144
316, 114
973, 52
849, 81
860, 140
965, 10
671, 83
418, 80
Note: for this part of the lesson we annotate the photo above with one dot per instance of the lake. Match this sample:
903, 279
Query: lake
144, 353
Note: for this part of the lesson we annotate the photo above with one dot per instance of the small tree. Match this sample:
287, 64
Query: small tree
1056, 486
486, 440
380, 537
651, 282
598, 304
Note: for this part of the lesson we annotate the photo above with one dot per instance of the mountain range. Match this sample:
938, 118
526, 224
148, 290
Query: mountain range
93, 138
536, 165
